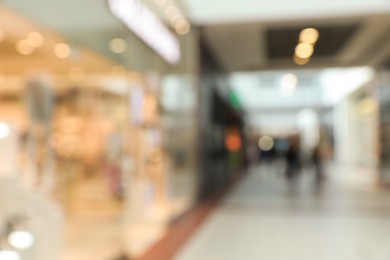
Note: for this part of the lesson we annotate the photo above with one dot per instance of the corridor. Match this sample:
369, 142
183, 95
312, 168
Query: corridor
264, 218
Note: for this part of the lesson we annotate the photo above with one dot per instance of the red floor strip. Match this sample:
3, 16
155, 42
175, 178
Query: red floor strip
183, 229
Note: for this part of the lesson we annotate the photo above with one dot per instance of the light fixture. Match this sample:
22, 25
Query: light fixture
24, 47
118, 45
21, 240
9, 255
304, 50
182, 27
173, 14
142, 21
62, 50
288, 84
289, 81
5, 131
35, 39
300, 61
266, 143
309, 35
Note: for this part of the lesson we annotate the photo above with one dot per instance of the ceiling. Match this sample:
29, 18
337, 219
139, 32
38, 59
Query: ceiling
343, 42
206, 12
89, 24
245, 35
16, 27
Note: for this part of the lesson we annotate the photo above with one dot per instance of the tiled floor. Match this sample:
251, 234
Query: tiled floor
266, 219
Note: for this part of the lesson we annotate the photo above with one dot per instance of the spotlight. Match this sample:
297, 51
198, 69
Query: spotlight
9, 255
21, 240
5, 130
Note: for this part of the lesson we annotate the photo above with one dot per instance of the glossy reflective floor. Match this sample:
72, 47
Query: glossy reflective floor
266, 218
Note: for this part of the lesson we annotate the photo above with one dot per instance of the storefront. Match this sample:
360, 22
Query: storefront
114, 148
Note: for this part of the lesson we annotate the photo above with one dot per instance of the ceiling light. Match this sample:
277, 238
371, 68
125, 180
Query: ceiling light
140, 19
24, 47
9, 255
309, 35
288, 85
5, 131
118, 45
35, 39
289, 81
182, 27
304, 50
21, 239
266, 143
62, 50
300, 61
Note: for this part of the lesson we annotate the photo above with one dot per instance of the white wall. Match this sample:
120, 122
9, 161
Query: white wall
356, 134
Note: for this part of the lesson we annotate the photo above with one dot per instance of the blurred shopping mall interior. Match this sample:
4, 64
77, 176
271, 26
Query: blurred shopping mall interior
194, 130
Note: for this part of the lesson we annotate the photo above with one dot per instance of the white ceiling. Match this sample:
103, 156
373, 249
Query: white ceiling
317, 89
206, 12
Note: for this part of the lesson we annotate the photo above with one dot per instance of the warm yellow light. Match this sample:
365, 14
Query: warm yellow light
76, 74
300, 61
118, 45
304, 50
62, 50
309, 35
24, 48
35, 39
182, 27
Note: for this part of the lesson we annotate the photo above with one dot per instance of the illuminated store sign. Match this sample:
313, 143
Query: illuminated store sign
141, 20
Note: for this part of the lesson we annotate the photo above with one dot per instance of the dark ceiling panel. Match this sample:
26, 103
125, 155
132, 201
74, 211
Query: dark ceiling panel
281, 42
